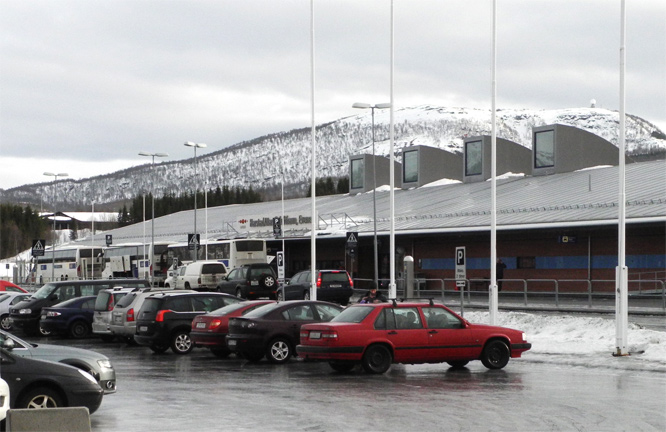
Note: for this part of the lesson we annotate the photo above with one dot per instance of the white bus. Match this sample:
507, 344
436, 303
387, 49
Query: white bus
233, 253
69, 263
134, 260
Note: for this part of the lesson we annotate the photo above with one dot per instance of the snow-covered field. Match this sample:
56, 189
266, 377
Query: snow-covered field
582, 341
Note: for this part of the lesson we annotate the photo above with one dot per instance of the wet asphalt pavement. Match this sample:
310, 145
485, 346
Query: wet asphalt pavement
200, 392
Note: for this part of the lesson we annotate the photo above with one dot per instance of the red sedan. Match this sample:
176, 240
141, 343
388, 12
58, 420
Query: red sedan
8, 286
377, 335
210, 330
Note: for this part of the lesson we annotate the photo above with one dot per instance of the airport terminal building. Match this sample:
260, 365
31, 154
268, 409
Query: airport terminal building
557, 215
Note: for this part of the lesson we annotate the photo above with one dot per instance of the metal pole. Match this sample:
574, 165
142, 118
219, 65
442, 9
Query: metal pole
195, 252
492, 291
315, 222
374, 197
152, 218
392, 288
621, 295
53, 246
152, 221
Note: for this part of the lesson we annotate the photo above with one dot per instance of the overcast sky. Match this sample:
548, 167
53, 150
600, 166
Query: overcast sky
87, 84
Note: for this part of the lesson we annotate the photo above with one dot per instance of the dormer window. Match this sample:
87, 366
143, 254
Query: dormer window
357, 173
473, 158
544, 149
410, 163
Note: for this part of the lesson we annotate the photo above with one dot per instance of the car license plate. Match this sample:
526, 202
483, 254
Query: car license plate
43, 316
143, 328
231, 342
201, 325
335, 285
253, 283
315, 335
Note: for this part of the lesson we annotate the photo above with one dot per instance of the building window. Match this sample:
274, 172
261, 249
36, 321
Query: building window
544, 149
357, 173
473, 158
410, 163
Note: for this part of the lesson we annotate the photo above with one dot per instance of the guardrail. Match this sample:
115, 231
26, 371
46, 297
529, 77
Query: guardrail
548, 290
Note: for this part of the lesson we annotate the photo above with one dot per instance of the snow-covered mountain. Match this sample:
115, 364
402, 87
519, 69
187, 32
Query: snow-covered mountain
263, 162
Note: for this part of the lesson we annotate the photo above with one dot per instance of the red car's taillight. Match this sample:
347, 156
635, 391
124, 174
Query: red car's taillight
130, 315
160, 315
214, 324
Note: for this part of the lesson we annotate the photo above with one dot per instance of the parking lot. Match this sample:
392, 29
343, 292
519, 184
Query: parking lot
201, 392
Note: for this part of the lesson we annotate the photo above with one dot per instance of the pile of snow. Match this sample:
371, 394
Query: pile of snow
582, 341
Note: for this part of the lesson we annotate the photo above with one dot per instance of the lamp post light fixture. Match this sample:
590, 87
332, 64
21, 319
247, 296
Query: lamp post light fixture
53, 246
372, 108
196, 190
152, 218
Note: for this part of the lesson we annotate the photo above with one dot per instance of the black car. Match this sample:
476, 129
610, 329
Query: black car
274, 330
250, 281
165, 318
332, 285
45, 384
72, 317
26, 314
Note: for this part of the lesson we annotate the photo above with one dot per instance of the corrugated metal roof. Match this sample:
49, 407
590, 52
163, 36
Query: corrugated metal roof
586, 197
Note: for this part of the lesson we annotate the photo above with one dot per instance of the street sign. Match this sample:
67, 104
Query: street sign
193, 241
352, 240
280, 264
109, 239
461, 266
38, 247
277, 227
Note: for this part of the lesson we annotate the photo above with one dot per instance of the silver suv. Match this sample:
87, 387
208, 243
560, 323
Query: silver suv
104, 304
123, 317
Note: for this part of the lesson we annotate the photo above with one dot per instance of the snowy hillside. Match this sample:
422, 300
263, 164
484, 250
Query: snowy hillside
259, 163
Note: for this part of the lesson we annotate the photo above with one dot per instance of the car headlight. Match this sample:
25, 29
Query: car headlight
524, 337
105, 364
88, 376
25, 312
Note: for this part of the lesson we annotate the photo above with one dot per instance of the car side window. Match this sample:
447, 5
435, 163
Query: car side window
441, 318
233, 275
180, 304
88, 290
298, 313
326, 312
385, 320
66, 293
88, 304
407, 318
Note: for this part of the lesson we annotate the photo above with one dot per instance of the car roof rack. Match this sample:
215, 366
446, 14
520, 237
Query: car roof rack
430, 300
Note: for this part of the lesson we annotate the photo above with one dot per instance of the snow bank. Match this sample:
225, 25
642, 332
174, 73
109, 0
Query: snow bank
582, 341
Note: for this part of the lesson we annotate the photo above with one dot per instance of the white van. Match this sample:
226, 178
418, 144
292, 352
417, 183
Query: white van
199, 276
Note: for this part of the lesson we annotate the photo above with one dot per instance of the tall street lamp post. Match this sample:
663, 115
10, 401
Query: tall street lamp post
53, 246
152, 218
196, 190
372, 108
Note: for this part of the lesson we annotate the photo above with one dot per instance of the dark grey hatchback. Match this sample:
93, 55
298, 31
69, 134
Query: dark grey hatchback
165, 318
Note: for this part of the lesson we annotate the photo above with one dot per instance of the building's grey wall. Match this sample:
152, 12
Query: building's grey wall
382, 166
433, 164
511, 157
575, 149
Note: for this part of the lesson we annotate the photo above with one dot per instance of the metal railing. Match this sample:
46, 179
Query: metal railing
557, 294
